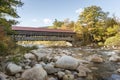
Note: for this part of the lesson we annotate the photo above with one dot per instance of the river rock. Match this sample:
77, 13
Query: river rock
35, 73
43, 64
32, 63
50, 69
80, 79
114, 58
17, 75
67, 72
55, 58
3, 76
51, 78
118, 70
13, 68
46, 59
27, 67
84, 62
68, 44
29, 56
39, 54
60, 74
67, 62
68, 77
96, 58
82, 74
83, 70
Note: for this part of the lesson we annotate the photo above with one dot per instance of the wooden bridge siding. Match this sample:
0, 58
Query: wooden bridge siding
43, 36
44, 33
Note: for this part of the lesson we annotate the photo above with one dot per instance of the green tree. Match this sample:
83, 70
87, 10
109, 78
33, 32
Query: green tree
57, 24
92, 16
8, 11
83, 34
93, 20
113, 41
112, 30
7, 15
69, 25
111, 21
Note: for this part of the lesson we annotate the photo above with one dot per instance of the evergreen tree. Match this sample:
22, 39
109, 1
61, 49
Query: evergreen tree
8, 10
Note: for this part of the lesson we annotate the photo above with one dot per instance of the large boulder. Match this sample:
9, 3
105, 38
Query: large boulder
67, 62
35, 73
114, 58
13, 68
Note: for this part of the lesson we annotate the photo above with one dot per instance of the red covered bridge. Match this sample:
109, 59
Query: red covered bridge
42, 34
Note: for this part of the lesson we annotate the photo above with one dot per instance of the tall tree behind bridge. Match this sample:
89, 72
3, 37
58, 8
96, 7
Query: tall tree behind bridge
93, 19
57, 24
91, 16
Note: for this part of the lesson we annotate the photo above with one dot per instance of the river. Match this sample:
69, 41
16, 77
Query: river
93, 63
106, 70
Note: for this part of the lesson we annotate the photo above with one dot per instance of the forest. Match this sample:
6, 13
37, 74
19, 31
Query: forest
94, 26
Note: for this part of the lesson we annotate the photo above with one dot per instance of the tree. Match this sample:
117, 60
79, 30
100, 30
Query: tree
93, 19
57, 24
69, 25
91, 16
112, 30
7, 15
111, 22
8, 11
83, 34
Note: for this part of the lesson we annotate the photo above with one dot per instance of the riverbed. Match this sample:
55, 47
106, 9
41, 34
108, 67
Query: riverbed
93, 63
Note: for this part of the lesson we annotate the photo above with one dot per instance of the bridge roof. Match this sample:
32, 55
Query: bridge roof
20, 28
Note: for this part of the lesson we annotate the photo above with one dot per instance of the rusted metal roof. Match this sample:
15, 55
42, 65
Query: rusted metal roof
16, 28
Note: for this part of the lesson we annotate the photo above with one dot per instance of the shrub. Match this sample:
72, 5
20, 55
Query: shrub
100, 43
6, 46
9, 47
16, 58
22, 49
113, 41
